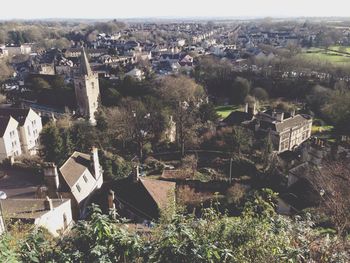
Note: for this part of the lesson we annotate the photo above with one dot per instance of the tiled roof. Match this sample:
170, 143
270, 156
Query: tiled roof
74, 167
176, 174
160, 191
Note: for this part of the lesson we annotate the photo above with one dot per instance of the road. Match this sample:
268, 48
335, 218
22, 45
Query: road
19, 184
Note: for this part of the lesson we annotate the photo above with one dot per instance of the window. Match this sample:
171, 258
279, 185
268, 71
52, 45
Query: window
28, 128
85, 178
92, 85
78, 188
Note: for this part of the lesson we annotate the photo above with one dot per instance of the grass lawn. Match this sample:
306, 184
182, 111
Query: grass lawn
321, 129
317, 54
224, 111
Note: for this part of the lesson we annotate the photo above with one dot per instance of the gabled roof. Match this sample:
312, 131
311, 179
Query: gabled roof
4, 121
160, 191
85, 68
19, 115
74, 167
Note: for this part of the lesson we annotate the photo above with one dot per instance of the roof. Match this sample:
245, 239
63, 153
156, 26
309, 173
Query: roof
85, 68
27, 208
237, 117
160, 191
19, 115
74, 167
176, 174
297, 120
3, 124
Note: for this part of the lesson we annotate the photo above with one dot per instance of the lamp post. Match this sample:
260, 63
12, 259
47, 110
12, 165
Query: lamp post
2, 223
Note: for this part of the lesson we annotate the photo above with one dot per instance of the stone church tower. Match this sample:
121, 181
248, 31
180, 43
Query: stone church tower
87, 91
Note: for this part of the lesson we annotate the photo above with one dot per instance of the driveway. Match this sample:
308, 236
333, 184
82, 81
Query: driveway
18, 183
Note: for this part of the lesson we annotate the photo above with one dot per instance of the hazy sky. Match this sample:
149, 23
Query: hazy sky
176, 8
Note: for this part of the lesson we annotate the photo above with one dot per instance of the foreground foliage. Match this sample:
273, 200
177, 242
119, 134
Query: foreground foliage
258, 235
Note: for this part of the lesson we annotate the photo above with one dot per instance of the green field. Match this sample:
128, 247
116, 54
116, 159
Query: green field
224, 111
322, 55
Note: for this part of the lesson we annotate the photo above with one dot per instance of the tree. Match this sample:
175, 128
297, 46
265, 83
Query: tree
260, 93
241, 139
52, 144
5, 70
175, 89
240, 90
332, 182
207, 113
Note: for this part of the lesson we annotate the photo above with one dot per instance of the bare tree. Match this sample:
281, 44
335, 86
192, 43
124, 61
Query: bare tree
332, 181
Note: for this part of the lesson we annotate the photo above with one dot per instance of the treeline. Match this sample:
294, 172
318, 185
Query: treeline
47, 34
258, 235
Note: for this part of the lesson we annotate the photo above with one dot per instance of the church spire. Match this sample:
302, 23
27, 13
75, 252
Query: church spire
85, 68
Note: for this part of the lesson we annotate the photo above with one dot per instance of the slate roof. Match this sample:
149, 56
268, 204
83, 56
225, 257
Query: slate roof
19, 115
3, 124
74, 167
85, 68
295, 121
27, 208
237, 117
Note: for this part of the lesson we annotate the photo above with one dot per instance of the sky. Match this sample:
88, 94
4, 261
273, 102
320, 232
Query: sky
105, 9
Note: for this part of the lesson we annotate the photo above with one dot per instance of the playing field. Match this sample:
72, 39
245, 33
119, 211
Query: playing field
329, 56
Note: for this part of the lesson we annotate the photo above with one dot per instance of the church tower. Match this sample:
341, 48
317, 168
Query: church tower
87, 91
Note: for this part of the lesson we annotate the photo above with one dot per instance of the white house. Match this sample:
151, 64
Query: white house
29, 128
53, 214
77, 179
10, 145
135, 73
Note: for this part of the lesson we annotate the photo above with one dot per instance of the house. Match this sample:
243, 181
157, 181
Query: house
10, 145
287, 130
53, 214
139, 199
77, 179
29, 128
13, 49
136, 74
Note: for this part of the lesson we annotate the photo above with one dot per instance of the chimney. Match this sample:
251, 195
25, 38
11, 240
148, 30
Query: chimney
136, 174
279, 116
111, 204
251, 108
95, 162
48, 204
51, 177
292, 113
